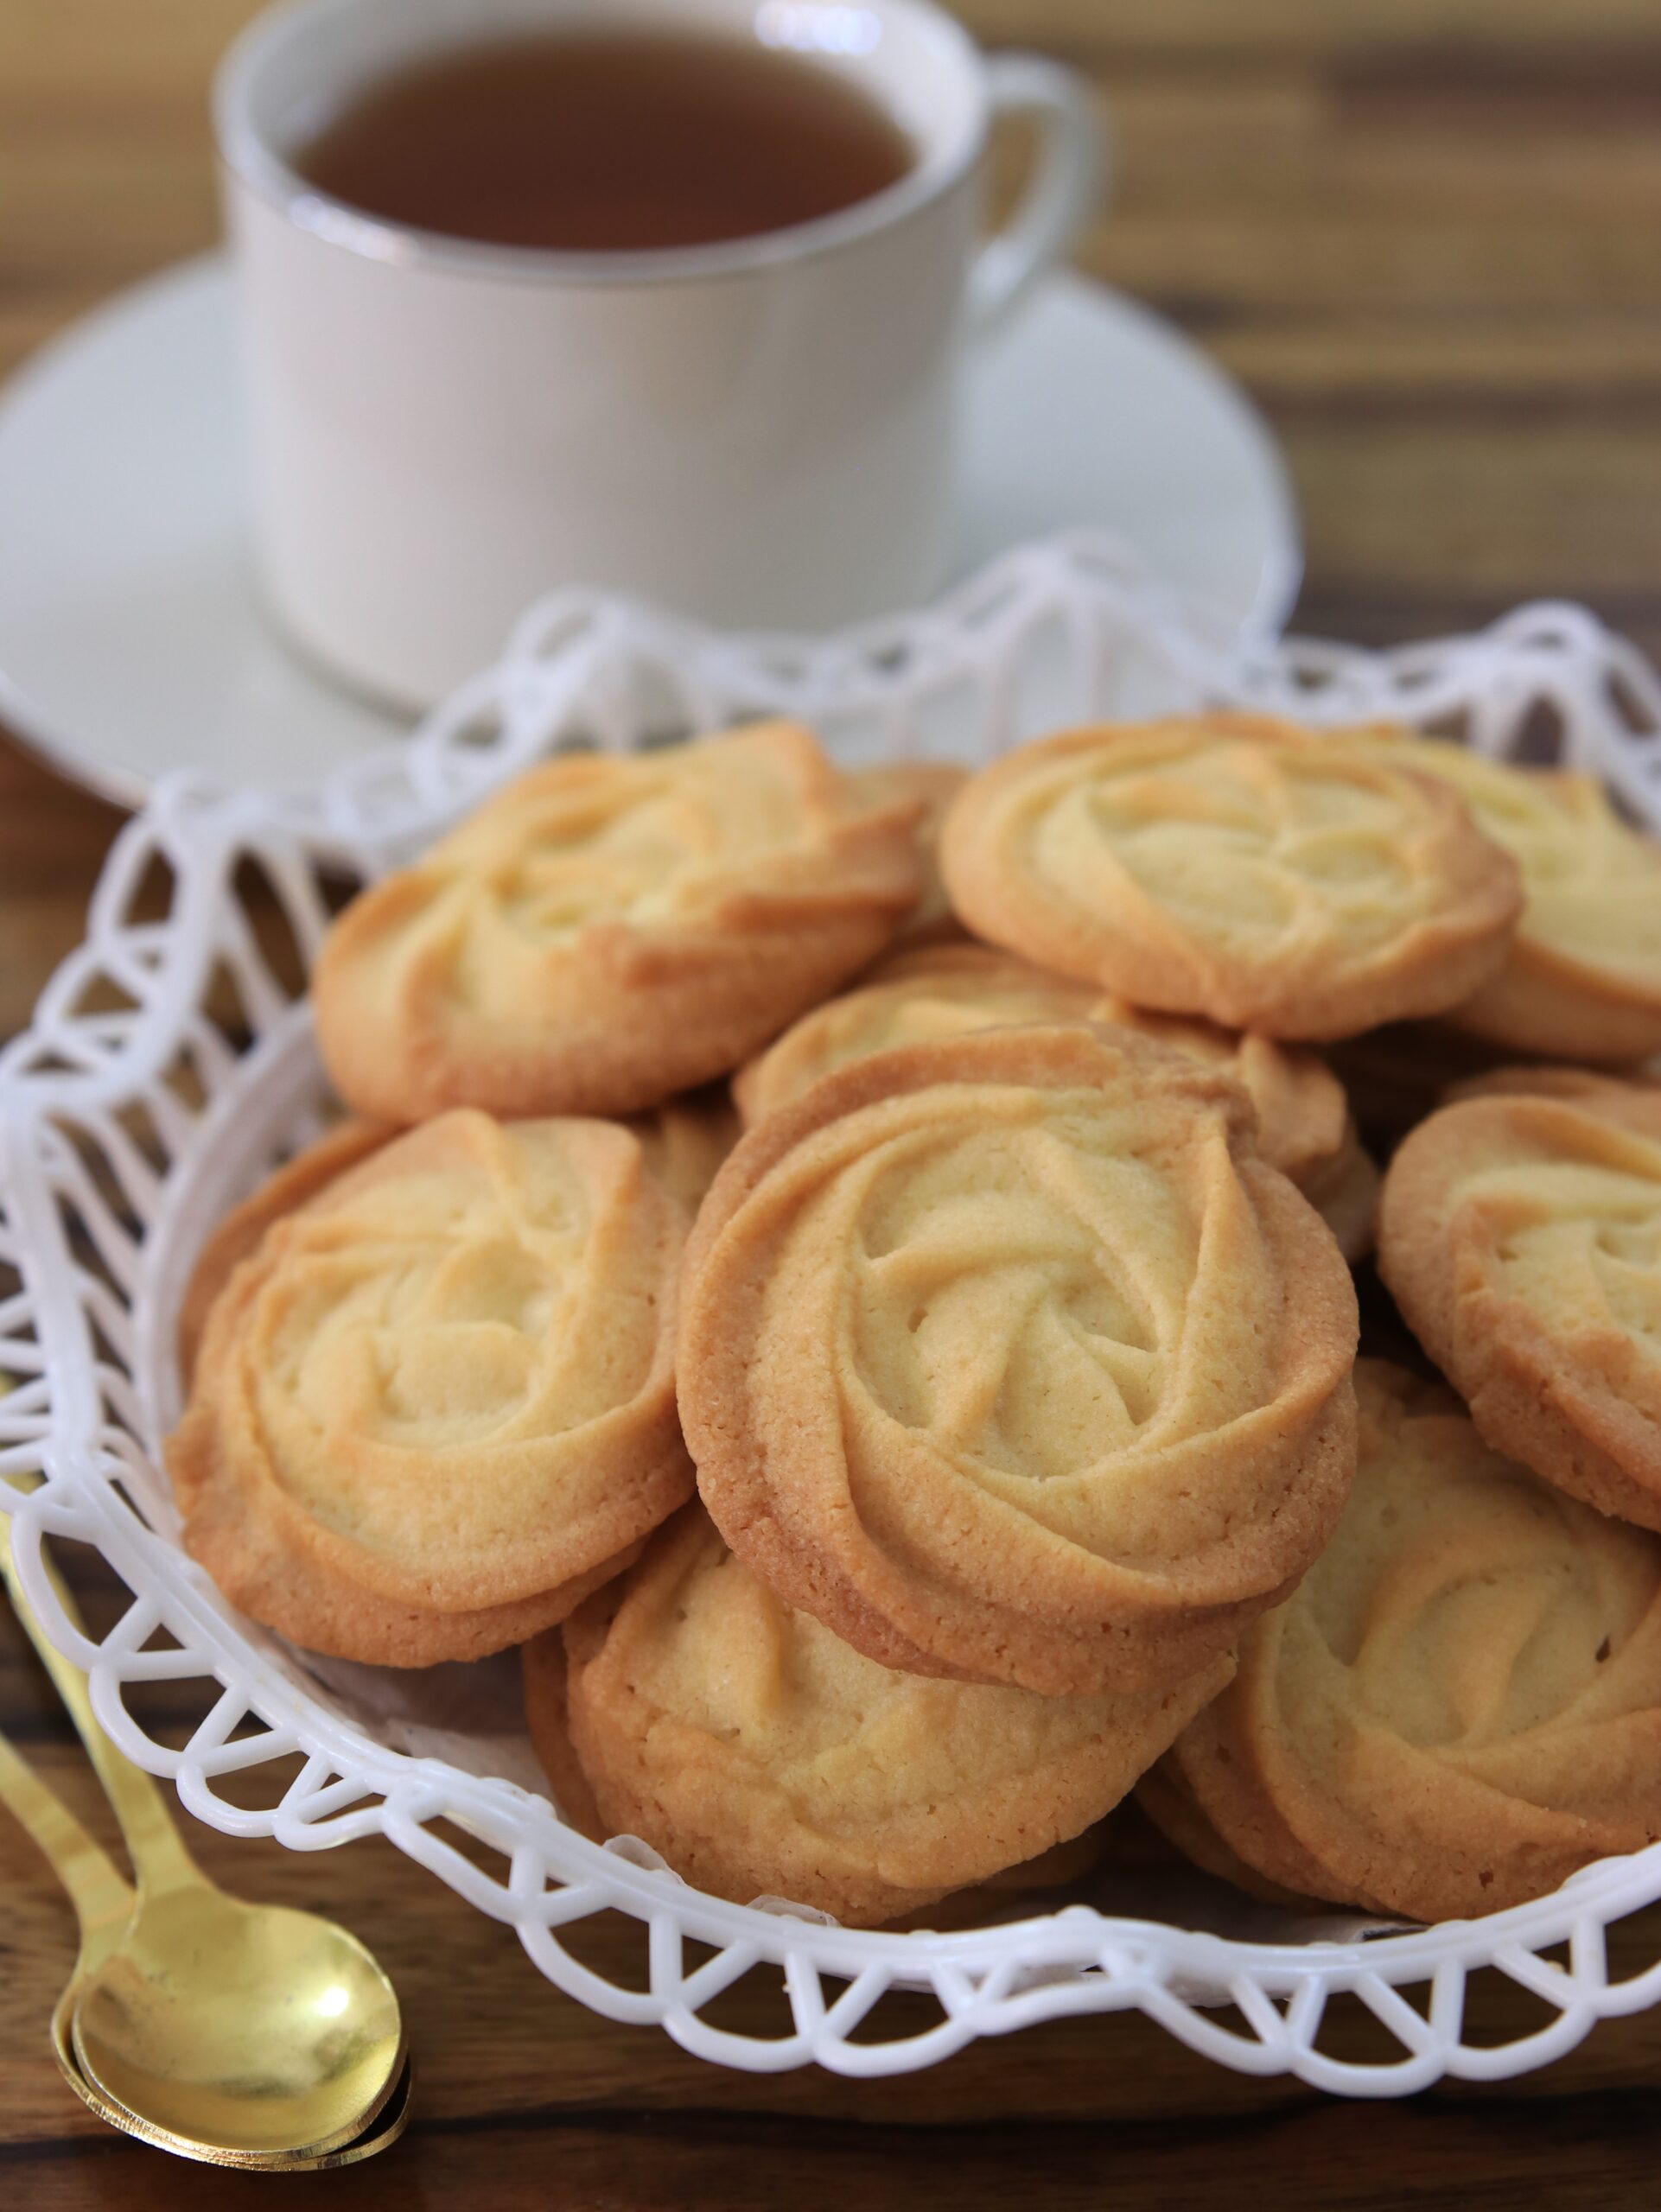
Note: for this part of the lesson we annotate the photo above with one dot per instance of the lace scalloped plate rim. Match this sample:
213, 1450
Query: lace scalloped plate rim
137, 1107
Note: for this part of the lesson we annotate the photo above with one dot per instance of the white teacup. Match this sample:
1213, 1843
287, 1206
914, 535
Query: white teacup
759, 433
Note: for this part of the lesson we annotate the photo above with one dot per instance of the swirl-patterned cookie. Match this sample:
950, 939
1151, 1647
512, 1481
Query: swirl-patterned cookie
763, 1757
1234, 866
239, 1231
1009, 1357
609, 930
1521, 1235
682, 1141
915, 998
1583, 977
912, 998
434, 1407
1462, 1703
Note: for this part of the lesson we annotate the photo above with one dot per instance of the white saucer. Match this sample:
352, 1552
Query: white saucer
132, 637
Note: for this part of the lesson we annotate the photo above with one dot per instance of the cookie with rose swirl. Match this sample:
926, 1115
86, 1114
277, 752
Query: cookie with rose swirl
690, 1706
1582, 978
433, 1406
913, 997
238, 1233
1234, 866
1520, 1234
1304, 1126
611, 929
1010, 1358
1460, 1705
683, 1143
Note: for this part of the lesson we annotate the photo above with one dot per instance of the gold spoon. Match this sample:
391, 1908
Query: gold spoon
104, 1904
234, 2033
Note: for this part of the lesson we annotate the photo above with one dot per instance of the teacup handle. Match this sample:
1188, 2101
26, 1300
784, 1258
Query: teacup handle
1069, 176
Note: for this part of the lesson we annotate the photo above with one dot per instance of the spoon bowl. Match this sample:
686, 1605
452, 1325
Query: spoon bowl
244, 2034
250, 2028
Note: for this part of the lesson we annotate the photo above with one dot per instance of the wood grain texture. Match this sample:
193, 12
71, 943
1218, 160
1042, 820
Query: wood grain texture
1423, 233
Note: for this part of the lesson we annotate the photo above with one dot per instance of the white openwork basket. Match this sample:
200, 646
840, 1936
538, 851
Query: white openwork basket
170, 1066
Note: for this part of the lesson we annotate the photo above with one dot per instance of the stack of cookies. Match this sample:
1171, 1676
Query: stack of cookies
854, 1274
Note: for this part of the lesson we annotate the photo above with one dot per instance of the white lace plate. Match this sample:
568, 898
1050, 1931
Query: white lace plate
167, 1069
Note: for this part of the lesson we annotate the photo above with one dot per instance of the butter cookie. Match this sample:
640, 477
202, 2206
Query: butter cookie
1461, 1704
240, 1230
1009, 1357
1583, 977
1520, 1235
1304, 1126
910, 998
763, 1757
1234, 866
611, 929
684, 1142
434, 1407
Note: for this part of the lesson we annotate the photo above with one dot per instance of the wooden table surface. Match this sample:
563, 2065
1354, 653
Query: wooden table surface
1427, 234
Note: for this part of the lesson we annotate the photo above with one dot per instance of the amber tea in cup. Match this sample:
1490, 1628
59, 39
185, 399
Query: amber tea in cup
607, 141
669, 298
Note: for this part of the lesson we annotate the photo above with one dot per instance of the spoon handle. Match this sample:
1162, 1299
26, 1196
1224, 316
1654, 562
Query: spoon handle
154, 1846
101, 1897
